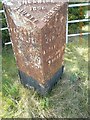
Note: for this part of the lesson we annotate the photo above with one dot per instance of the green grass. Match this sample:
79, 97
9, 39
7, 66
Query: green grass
0, 71
0, 83
68, 99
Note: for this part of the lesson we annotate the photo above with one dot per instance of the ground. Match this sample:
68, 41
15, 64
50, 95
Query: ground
69, 97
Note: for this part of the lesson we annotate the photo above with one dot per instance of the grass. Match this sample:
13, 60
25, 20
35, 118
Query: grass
0, 83
68, 99
0, 71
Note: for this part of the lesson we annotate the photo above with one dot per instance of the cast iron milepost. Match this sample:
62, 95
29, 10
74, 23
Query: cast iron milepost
38, 34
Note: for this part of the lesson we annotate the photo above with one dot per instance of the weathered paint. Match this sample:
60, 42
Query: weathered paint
38, 34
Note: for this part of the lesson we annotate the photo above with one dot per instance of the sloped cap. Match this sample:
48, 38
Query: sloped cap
36, 11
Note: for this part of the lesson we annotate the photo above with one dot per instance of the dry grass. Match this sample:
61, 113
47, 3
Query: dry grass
68, 99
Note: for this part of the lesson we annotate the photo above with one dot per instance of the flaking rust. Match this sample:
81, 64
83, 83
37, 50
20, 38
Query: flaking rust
38, 33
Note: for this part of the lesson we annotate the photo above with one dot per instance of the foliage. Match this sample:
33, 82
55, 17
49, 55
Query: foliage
5, 33
76, 13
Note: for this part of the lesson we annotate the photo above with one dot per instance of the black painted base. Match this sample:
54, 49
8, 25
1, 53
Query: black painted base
28, 81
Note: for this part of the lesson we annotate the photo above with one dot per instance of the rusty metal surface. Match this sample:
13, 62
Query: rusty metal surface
38, 34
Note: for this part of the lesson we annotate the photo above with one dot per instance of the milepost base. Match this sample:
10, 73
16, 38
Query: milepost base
29, 82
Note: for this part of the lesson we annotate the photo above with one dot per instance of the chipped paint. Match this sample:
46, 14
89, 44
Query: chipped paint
38, 33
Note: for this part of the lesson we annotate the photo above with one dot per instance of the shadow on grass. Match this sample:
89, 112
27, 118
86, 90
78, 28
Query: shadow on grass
70, 96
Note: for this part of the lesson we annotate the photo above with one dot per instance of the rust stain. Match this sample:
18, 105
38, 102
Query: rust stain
38, 34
